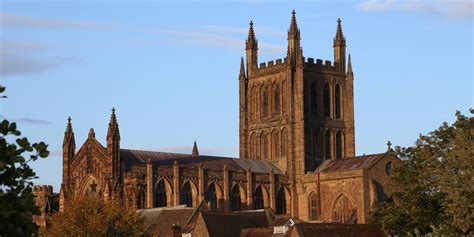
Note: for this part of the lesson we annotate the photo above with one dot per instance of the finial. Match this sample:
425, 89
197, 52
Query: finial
69, 119
293, 24
251, 40
389, 146
339, 39
91, 132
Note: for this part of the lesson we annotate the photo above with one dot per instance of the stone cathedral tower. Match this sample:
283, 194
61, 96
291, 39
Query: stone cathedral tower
296, 111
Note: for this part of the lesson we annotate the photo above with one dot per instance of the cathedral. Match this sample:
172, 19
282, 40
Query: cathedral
297, 149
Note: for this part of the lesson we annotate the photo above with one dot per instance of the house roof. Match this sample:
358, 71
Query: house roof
232, 223
187, 160
358, 162
161, 220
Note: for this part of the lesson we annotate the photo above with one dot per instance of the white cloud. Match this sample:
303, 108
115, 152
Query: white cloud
454, 9
29, 121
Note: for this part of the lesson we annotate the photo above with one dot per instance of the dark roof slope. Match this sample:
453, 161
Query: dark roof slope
161, 220
337, 230
187, 160
358, 162
232, 223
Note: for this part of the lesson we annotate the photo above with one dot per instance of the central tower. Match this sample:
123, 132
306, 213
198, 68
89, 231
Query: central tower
296, 111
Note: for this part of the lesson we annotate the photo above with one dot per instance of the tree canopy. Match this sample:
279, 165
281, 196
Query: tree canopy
100, 218
16, 198
436, 191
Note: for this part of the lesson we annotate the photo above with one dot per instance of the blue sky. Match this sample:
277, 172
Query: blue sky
171, 68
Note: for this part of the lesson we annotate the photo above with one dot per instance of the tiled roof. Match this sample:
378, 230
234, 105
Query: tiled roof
187, 160
358, 162
161, 220
331, 229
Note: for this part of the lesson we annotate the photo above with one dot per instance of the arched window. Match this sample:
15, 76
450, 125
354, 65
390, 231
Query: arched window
281, 202
343, 211
338, 101
211, 196
313, 206
307, 142
265, 103
258, 198
284, 137
338, 145
160, 194
315, 143
276, 98
254, 104
327, 101
327, 141
235, 202
275, 145
313, 100
264, 146
186, 195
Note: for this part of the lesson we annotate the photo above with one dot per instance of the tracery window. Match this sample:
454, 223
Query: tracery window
186, 195
327, 101
313, 99
338, 145
313, 206
281, 202
140, 204
235, 201
327, 141
343, 210
276, 98
258, 198
265, 103
315, 143
160, 194
284, 137
264, 146
211, 196
338, 101
307, 142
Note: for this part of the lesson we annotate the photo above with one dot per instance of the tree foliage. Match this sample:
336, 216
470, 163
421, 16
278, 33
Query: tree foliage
16, 198
89, 216
436, 191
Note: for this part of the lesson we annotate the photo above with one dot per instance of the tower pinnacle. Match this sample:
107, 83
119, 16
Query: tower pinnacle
251, 40
339, 40
242, 69
293, 25
69, 133
113, 130
195, 149
349, 64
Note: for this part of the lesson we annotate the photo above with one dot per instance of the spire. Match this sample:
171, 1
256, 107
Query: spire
113, 130
293, 25
242, 69
195, 149
339, 40
91, 132
69, 133
251, 42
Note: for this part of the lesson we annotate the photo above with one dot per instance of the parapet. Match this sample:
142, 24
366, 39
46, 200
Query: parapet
327, 66
270, 66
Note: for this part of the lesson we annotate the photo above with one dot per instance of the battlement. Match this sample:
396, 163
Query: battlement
272, 63
46, 189
271, 66
327, 66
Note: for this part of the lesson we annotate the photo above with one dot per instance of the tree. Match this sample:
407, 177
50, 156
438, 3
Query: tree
16, 198
100, 218
435, 183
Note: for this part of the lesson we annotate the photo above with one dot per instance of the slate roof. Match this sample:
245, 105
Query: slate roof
358, 162
160, 220
132, 157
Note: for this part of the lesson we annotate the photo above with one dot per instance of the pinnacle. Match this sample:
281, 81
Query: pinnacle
293, 24
349, 64
251, 40
195, 151
339, 39
242, 67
